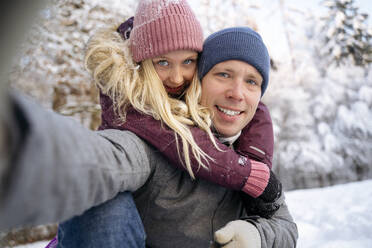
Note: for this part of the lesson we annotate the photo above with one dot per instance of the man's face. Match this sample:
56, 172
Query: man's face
231, 90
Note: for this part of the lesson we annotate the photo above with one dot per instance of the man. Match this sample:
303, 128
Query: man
234, 70
87, 168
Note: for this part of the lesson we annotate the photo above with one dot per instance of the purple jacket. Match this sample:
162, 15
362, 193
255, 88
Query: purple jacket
230, 169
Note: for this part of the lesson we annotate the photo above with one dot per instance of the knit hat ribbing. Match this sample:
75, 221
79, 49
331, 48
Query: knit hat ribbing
239, 43
162, 26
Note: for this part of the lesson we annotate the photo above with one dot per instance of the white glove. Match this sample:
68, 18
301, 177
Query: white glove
238, 234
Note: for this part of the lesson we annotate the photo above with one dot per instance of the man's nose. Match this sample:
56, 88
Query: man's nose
236, 90
176, 76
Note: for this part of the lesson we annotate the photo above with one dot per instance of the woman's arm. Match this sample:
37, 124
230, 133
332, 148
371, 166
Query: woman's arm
257, 138
257, 142
229, 169
55, 168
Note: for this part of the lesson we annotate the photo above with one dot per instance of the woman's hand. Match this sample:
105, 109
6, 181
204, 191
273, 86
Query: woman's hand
266, 204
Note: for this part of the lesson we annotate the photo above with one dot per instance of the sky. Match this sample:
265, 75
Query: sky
332, 217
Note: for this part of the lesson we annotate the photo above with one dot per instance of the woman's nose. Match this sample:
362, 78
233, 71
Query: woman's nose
176, 77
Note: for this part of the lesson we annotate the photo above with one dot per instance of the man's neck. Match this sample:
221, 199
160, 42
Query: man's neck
228, 140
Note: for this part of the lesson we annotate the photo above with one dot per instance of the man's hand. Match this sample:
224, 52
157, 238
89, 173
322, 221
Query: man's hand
238, 234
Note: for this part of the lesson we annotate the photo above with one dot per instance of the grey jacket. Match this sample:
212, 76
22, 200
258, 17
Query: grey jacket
60, 169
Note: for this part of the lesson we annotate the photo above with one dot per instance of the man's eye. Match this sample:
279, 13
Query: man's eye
223, 74
252, 82
163, 63
188, 61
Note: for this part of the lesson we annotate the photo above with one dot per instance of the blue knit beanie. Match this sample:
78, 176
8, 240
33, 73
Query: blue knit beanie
239, 43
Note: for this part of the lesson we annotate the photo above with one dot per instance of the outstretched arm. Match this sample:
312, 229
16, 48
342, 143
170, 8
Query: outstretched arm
55, 168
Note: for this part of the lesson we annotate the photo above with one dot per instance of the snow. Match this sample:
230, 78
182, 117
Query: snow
332, 217
337, 216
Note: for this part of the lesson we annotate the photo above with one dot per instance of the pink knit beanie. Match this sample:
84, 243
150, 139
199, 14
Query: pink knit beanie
162, 26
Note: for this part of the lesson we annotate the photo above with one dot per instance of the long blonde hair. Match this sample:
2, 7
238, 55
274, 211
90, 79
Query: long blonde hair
109, 60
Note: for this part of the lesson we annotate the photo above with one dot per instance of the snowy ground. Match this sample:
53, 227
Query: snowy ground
333, 217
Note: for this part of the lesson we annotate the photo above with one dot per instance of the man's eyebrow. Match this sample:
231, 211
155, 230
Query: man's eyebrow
255, 77
231, 70
228, 69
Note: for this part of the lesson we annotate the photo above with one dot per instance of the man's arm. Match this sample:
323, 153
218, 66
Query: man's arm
255, 232
278, 231
56, 168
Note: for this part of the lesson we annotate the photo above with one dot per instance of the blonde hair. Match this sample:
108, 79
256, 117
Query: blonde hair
109, 59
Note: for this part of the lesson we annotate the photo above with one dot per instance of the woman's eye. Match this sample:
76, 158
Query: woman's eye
163, 63
188, 61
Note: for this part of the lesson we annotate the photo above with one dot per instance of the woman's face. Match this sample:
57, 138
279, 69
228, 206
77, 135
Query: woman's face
176, 70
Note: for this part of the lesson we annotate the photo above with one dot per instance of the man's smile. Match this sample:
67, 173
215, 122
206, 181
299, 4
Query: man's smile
228, 112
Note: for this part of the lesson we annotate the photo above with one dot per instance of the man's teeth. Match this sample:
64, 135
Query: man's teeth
228, 111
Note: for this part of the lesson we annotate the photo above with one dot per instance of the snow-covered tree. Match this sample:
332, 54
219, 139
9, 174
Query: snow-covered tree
322, 135
345, 34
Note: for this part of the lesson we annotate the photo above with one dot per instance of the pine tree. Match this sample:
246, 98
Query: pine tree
345, 35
